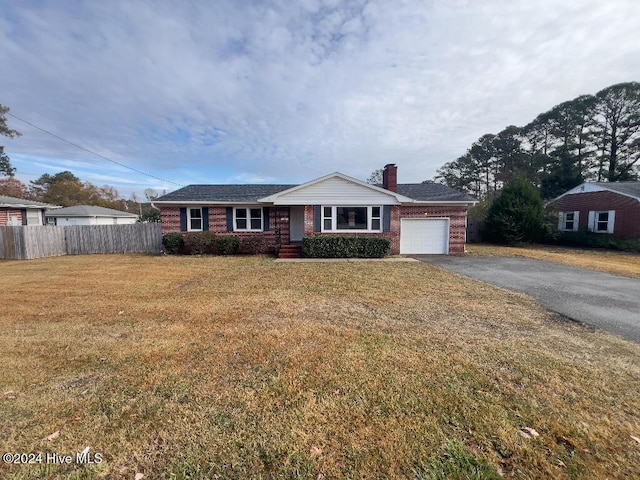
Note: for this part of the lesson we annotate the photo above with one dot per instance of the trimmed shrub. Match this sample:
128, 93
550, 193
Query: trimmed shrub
345, 247
200, 243
374, 247
596, 240
227, 244
253, 245
173, 243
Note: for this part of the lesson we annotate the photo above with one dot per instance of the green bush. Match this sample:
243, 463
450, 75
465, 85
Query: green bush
595, 240
200, 243
345, 247
254, 244
173, 243
516, 216
228, 244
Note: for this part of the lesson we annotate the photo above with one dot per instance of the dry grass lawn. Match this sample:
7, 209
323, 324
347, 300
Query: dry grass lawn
186, 367
618, 263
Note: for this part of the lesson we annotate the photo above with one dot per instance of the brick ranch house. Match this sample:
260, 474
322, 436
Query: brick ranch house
600, 207
18, 211
418, 218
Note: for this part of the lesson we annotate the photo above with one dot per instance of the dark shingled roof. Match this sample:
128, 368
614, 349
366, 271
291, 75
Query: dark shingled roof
629, 188
222, 193
432, 192
427, 192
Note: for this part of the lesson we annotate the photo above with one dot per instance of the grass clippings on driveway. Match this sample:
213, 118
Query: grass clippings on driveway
185, 367
608, 261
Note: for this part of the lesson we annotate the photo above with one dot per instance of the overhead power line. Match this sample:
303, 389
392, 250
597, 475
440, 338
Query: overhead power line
92, 152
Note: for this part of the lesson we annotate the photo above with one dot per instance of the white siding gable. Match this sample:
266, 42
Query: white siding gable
336, 191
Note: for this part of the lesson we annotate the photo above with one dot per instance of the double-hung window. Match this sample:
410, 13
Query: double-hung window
569, 221
602, 222
34, 217
247, 219
376, 218
336, 218
194, 220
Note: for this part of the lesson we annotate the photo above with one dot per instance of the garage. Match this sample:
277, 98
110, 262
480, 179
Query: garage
424, 236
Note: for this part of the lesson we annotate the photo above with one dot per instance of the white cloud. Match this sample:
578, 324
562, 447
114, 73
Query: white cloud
288, 91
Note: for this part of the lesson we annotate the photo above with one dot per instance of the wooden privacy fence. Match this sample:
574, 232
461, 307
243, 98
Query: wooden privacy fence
25, 243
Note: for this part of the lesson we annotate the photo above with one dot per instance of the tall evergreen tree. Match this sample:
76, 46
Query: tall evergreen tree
5, 162
617, 128
592, 137
516, 215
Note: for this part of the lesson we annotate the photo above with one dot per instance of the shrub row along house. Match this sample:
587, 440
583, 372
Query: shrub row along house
600, 207
418, 218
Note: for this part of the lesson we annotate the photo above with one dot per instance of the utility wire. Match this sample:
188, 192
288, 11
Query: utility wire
92, 152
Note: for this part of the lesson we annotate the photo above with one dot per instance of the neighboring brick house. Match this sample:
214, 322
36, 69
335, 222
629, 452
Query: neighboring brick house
18, 211
600, 207
417, 218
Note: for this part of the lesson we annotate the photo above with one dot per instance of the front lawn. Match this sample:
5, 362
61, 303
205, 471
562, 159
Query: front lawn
615, 262
192, 367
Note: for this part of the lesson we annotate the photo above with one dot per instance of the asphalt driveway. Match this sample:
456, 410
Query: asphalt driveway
602, 300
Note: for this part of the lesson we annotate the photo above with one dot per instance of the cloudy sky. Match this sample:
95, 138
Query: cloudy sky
286, 91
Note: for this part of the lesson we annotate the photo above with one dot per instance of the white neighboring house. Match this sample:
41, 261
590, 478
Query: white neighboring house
18, 211
89, 215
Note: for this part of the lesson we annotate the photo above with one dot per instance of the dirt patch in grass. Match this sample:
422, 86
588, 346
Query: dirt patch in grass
244, 368
618, 263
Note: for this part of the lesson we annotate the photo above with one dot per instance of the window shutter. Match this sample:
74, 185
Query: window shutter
386, 218
592, 219
24, 216
576, 221
612, 221
265, 219
560, 221
183, 219
205, 219
229, 219
317, 218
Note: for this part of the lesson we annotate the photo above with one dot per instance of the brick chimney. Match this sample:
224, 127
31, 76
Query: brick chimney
390, 177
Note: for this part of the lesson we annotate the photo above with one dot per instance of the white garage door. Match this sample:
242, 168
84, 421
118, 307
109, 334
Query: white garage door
424, 235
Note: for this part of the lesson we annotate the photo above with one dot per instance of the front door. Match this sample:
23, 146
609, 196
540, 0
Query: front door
296, 224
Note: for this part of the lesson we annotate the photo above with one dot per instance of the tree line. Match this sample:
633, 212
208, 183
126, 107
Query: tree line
590, 138
63, 188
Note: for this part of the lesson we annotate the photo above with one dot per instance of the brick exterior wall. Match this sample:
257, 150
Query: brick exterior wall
5, 213
170, 217
627, 220
457, 230
218, 224
279, 216
393, 235
457, 227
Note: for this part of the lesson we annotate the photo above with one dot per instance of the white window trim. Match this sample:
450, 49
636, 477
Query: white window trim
248, 229
593, 221
189, 229
34, 221
334, 219
562, 221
